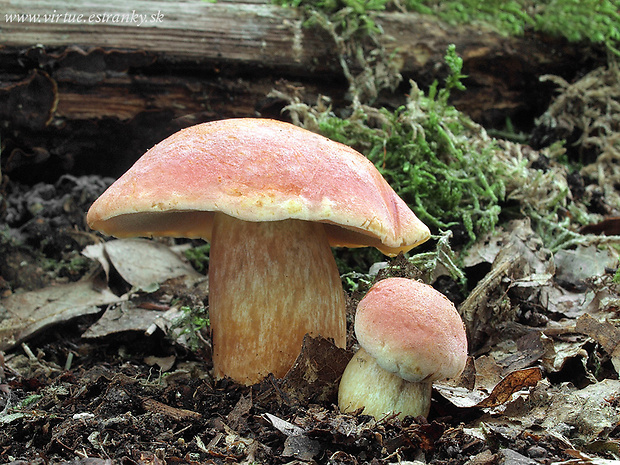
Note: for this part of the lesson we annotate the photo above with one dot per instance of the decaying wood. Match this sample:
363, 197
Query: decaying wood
178, 414
132, 74
256, 34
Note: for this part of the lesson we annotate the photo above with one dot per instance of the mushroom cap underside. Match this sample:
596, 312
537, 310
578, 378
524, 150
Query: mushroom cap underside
256, 170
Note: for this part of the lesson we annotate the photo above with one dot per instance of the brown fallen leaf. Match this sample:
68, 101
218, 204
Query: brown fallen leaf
605, 333
315, 374
164, 363
522, 265
24, 314
512, 383
120, 318
488, 379
237, 418
143, 263
297, 444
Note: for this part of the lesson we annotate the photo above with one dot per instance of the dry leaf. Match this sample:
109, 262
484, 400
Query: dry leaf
165, 363
575, 266
605, 333
501, 393
121, 318
315, 375
285, 427
512, 383
24, 314
523, 264
237, 417
608, 227
297, 444
142, 263
583, 415
488, 373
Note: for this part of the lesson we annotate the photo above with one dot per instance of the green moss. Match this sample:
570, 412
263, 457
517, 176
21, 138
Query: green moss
72, 266
353, 15
199, 257
424, 151
508, 17
596, 21
446, 167
188, 326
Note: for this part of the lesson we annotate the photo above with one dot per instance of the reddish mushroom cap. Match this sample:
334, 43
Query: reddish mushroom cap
412, 330
256, 170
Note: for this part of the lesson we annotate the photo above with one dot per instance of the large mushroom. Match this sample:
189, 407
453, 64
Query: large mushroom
409, 335
271, 198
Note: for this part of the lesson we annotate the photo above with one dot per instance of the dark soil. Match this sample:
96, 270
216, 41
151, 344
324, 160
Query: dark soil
112, 405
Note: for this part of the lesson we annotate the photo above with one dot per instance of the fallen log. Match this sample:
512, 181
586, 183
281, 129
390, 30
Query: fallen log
87, 86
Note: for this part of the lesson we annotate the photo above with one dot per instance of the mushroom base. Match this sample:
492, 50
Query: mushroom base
364, 384
270, 284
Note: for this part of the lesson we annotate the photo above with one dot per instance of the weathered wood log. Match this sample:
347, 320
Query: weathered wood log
253, 34
105, 81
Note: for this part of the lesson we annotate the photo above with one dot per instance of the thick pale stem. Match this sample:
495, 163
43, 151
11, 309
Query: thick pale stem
381, 393
270, 283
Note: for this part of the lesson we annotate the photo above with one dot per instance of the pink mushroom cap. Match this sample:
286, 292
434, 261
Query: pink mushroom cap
412, 330
256, 170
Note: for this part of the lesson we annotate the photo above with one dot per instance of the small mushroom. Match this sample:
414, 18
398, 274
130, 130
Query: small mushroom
272, 199
410, 335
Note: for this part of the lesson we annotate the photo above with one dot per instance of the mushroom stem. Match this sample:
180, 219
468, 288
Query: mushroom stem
270, 283
364, 384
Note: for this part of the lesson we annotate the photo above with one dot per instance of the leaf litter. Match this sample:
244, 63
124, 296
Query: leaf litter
534, 392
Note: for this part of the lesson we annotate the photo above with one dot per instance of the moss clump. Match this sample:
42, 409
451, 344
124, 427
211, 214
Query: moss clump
445, 166
187, 328
199, 257
355, 15
595, 21
510, 17
424, 150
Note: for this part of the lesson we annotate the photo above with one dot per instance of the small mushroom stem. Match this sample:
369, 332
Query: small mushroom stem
364, 384
270, 283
